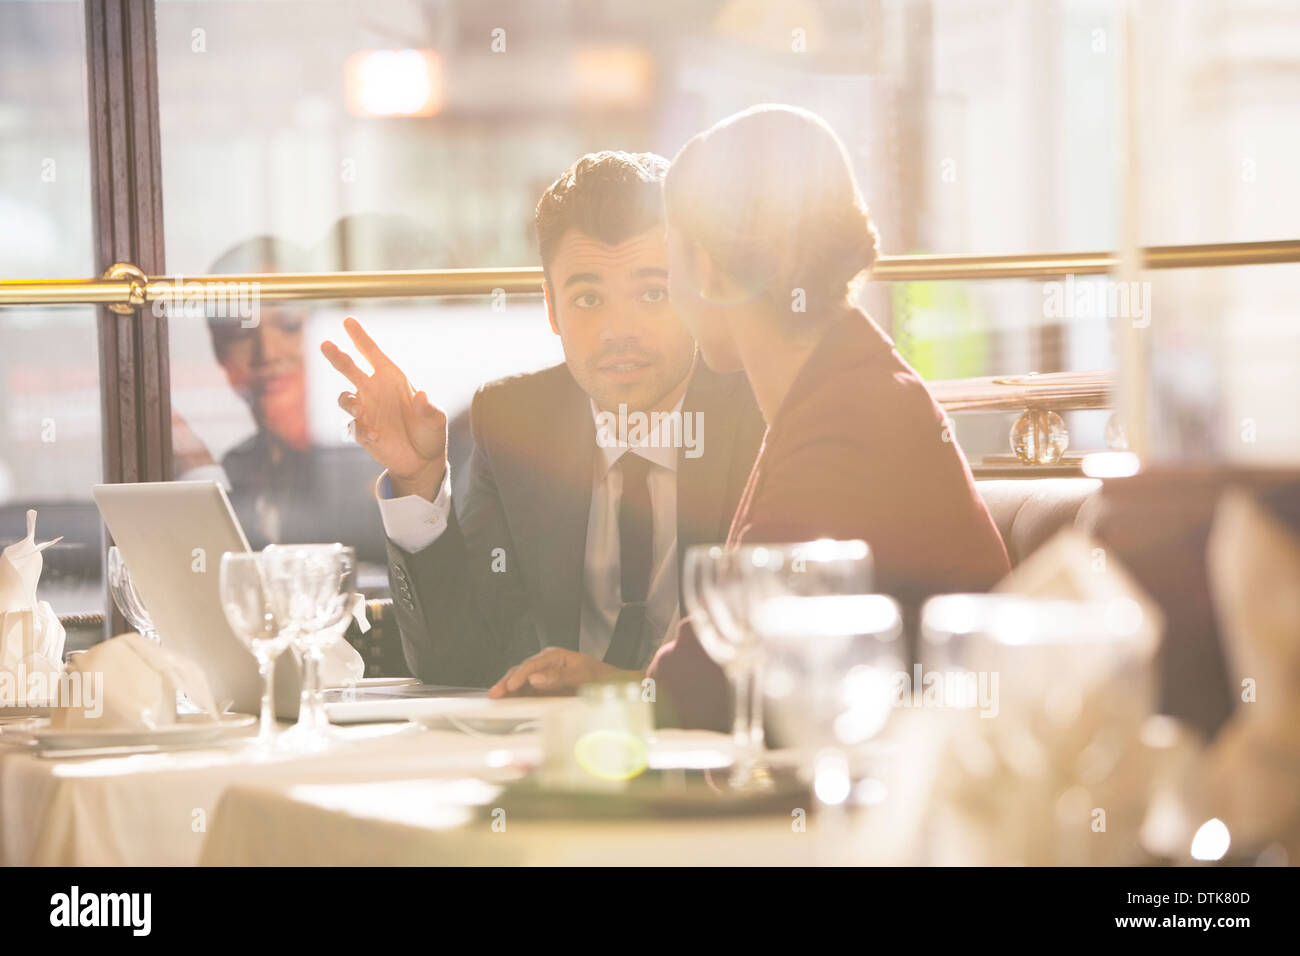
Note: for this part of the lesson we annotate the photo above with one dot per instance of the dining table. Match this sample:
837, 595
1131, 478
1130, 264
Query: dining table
413, 793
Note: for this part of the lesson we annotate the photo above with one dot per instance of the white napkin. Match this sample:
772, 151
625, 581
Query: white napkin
129, 683
31, 637
341, 662
1072, 566
1065, 779
1251, 776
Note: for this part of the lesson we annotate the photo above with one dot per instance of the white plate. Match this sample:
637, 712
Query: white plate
188, 729
435, 709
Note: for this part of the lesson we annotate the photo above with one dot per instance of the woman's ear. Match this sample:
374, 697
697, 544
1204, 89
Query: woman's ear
706, 278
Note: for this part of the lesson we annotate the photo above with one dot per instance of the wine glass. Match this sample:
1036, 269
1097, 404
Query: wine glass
127, 598
828, 678
312, 586
705, 571
129, 602
246, 602
721, 589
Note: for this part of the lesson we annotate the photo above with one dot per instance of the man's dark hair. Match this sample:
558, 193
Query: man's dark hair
610, 196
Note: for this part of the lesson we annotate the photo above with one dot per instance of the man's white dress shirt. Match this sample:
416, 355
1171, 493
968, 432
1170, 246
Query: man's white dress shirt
413, 523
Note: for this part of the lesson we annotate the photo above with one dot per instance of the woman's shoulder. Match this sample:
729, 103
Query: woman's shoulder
856, 380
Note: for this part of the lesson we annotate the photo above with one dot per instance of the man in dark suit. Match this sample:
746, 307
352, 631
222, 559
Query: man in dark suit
587, 482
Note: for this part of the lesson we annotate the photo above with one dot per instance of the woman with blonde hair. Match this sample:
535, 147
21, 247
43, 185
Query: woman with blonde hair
767, 237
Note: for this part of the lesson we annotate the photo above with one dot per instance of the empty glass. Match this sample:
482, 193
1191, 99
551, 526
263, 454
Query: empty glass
126, 597
721, 589
828, 668
312, 588
246, 601
829, 663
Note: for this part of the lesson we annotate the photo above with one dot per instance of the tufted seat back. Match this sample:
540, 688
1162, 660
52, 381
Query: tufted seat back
1028, 511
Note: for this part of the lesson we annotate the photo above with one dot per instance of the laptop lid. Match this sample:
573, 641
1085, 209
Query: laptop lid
172, 535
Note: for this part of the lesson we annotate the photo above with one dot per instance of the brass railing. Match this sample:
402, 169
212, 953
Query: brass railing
1038, 437
126, 287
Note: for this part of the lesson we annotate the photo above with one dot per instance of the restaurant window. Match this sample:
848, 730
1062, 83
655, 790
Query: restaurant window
1218, 146
326, 137
49, 366
405, 135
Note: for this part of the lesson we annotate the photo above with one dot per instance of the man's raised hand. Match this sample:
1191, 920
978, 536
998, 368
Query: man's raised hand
400, 428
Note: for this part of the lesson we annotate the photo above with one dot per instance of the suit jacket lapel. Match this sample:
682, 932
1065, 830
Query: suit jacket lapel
563, 505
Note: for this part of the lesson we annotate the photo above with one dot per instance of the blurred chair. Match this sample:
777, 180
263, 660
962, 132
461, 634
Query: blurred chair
83, 630
381, 646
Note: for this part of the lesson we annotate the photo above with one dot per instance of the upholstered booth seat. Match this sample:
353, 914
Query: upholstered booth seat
1028, 511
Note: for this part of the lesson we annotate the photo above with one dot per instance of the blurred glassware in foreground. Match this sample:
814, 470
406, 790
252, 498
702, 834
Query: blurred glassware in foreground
828, 672
312, 588
1044, 761
1242, 803
600, 740
127, 598
721, 590
246, 601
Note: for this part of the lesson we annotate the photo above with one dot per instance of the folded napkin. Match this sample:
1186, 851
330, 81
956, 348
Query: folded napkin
1072, 566
31, 637
129, 683
341, 662
1064, 771
1251, 775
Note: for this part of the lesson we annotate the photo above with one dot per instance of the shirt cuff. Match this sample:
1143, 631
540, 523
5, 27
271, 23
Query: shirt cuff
207, 473
411, 522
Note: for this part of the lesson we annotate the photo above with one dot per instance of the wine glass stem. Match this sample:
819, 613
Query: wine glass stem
741, 733
757, 739
311, 705
266, 725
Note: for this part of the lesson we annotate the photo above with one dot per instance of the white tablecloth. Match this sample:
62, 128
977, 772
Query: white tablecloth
155, 809
393, 795
411, 820
417, 823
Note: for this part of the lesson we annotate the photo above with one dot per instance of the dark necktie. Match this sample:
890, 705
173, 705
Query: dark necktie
635, 550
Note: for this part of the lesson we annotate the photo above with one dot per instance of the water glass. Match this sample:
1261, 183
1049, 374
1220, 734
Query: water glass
246, 602
722, 588
126, 597
312, 587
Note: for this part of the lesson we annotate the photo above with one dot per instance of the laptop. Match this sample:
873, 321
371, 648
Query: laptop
172, 535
